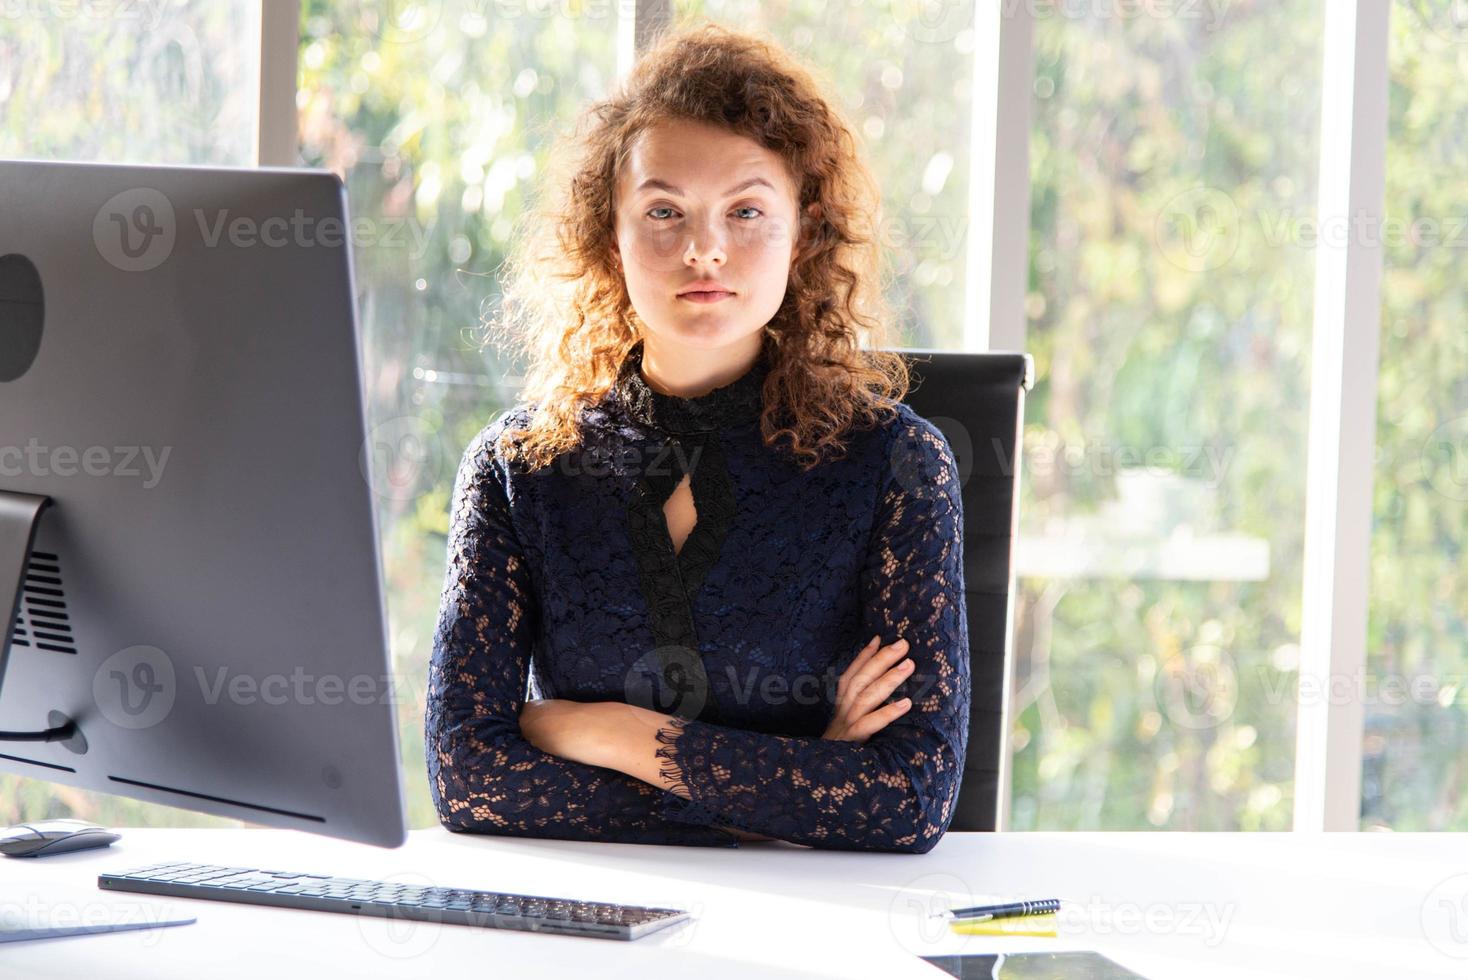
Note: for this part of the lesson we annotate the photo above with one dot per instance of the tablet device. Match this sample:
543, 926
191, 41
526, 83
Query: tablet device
1076, 965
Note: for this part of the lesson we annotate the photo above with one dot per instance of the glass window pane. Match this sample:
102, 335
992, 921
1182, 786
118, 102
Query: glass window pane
437, 116
131, 82
1416, 725
1173, 159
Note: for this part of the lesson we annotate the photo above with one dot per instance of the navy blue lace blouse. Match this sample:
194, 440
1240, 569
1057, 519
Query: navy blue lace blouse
564, 583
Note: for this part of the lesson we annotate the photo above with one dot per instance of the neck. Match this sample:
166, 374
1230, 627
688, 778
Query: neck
689, 372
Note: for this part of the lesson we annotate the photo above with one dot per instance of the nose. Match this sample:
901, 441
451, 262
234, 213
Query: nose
710, 251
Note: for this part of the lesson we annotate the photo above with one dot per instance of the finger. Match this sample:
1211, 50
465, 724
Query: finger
880, 689
843, 683
861, 657
877, 720
877, 665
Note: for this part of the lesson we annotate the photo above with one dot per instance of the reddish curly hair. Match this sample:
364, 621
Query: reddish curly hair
565, 303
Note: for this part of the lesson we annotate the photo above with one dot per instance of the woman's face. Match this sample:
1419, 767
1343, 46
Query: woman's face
696, 202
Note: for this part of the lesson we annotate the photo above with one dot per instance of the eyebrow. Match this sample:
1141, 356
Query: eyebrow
654, 183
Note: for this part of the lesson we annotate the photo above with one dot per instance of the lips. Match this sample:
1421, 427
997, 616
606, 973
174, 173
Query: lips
705, 296
706, 288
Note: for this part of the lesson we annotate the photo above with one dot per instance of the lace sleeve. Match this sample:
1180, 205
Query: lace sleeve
897, 791
483, 775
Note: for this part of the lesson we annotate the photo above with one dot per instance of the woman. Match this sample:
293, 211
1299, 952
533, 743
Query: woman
711, 537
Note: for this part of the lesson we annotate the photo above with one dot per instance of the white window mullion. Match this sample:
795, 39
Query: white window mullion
1342, 437
997, 271
999, 191
276, 130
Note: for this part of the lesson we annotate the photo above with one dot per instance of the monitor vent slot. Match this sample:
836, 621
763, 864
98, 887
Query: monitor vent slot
43, 621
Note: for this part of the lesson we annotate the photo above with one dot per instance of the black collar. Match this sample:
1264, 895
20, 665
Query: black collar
735, 404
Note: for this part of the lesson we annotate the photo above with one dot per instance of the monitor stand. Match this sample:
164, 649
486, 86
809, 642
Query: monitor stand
20, 513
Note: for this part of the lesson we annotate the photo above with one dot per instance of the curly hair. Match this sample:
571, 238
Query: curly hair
565, 303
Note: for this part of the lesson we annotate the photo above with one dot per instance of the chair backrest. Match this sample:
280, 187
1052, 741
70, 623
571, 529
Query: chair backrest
977, 401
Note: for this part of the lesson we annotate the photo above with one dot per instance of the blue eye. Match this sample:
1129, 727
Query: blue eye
666, 208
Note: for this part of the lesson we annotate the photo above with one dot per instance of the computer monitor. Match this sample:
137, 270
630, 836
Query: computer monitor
188, 542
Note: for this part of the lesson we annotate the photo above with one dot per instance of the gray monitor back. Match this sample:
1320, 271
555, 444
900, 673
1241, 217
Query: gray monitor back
206, 602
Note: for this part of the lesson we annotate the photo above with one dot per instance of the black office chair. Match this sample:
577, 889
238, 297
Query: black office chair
977, 400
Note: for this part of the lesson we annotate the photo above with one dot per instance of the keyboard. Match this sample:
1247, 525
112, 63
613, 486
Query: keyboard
357, 896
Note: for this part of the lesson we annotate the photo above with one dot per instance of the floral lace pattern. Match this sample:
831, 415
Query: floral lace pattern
564, 583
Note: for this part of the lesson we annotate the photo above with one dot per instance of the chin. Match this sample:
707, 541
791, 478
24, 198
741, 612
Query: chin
706, 332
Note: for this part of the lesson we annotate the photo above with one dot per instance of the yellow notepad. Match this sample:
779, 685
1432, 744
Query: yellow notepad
1016, 925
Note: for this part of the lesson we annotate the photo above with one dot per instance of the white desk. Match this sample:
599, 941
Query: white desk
1219, 906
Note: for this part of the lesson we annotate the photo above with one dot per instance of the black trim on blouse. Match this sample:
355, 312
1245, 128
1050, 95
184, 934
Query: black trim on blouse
687, 431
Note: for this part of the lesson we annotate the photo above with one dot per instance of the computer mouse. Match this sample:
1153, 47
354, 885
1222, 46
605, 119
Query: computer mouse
42, 838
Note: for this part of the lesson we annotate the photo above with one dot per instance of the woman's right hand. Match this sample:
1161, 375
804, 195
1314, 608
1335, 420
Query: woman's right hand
871, 678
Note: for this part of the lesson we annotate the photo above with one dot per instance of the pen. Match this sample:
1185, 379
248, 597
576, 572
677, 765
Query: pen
978, 913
